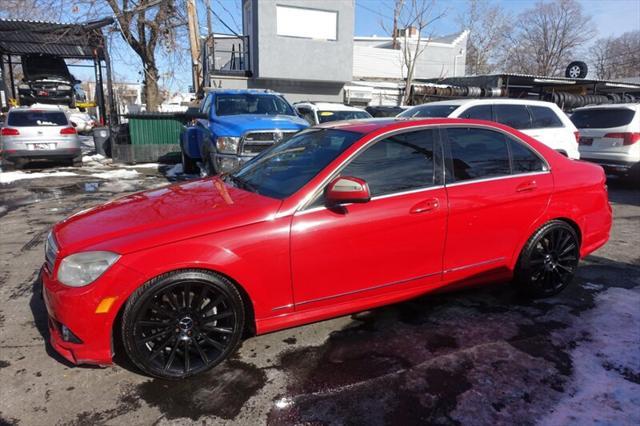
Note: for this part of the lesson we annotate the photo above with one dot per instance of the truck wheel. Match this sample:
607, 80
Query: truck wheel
189, 166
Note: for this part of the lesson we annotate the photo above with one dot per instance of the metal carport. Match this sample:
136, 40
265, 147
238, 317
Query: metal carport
70, 41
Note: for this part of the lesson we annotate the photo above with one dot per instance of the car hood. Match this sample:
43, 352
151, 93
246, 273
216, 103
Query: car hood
236, 125
161, 216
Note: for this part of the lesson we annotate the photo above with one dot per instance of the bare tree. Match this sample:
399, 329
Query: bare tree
488, 26
547, 37
414, 18
617, 57
144, 26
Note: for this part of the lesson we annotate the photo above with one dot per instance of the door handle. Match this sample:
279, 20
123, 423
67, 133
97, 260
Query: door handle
527, 186
425, 206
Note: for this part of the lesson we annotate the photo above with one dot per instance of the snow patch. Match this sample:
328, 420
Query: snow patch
174, 170
117, 174
606, 367
9, 177
592, 286
142, 166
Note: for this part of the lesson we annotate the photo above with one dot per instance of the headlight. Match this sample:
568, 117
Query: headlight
227, 144
24, 86
80, 269
64, 87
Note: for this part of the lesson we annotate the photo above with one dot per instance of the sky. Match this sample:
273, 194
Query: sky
611, 18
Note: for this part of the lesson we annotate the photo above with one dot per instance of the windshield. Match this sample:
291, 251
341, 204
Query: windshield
429, 111
326, 116
252, 104
286, 167
36, 118
602, 118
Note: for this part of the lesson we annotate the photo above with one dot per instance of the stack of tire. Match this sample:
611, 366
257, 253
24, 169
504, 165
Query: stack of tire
569, 100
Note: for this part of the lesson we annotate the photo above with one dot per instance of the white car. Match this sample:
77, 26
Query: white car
322, 112
81, 121
610, 136
543, 121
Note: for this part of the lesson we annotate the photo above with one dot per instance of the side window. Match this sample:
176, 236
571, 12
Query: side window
398, 163
206, 105
478, 153
544, 117
516, 116
307, 114
480, 112
524, 160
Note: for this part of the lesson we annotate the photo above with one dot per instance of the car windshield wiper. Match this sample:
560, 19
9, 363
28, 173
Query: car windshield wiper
243, 184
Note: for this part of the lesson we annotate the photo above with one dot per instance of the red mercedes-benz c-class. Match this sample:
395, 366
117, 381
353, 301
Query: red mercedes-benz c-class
337, 219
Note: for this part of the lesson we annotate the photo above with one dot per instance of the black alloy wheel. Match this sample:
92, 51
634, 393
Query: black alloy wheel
183, 323
549, 260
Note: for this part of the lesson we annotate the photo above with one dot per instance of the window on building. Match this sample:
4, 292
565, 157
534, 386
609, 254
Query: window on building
306, 23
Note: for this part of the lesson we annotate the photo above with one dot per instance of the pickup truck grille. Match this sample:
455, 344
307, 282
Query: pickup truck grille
255, 142
50, 252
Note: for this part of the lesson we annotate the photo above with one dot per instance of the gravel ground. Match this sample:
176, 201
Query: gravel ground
473, 357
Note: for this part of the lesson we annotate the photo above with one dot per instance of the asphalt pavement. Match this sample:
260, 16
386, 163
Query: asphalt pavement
480, 356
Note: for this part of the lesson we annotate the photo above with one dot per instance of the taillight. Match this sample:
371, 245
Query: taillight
8, 131
628, 138
577, 135
68, 131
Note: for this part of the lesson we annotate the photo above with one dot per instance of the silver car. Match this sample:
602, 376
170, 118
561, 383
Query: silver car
39, 134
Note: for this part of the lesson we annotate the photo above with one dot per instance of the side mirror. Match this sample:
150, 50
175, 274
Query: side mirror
194, 113
347, 189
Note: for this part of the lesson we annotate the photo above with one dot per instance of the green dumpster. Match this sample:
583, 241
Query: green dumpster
153, 137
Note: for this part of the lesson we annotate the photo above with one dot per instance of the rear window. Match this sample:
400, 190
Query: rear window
429, 111
36, 118
602, 118
542, 117
326, 116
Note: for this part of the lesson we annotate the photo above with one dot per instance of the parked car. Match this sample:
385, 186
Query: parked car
543, 121
610, 136
340, 218
385, 111
39, 134
82, 121
323, 112
233, 126
48, 80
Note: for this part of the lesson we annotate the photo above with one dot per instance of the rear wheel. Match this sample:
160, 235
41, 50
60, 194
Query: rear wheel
549, 260
182, 323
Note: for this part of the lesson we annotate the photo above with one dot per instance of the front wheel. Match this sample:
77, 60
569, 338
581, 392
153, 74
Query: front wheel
182, 323
549, 260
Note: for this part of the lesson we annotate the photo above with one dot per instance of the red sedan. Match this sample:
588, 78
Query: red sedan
339, 218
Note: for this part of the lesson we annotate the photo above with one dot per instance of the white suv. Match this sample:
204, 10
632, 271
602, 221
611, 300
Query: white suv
543, 121
322, 112
610, 136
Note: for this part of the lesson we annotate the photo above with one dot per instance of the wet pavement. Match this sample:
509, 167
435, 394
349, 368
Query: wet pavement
478, 356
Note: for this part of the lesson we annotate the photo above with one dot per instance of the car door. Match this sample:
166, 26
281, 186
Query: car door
202, 127
394, 242
497, 187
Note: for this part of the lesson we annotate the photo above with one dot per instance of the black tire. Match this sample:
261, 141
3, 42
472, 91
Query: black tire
76, 161
548, 262
576, 69
189, 166
182, 323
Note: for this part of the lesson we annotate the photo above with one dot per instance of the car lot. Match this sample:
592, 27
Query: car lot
473, 357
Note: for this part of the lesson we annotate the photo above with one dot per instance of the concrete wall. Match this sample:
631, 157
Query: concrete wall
293, 90
294, 58
374, 59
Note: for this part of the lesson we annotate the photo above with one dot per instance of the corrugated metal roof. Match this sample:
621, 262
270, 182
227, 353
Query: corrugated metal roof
20, 37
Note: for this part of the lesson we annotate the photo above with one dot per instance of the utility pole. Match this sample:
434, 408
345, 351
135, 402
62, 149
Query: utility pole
194, 43
207, 4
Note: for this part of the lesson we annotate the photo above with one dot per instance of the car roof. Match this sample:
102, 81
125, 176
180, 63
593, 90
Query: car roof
243, 92
491, 101
369, 125
629, 106
328, 106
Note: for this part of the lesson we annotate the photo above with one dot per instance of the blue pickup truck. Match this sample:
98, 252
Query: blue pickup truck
233, 126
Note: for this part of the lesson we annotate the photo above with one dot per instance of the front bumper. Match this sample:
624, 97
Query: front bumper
75, 308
